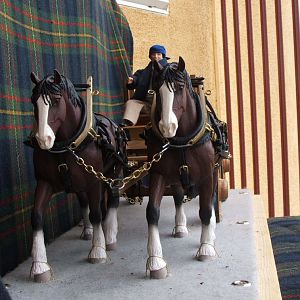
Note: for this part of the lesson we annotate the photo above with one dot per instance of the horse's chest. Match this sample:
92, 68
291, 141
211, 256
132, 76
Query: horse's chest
169, 164
63, 172
175, 161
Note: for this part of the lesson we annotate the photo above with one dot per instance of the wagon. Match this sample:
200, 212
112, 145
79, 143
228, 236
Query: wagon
137, 188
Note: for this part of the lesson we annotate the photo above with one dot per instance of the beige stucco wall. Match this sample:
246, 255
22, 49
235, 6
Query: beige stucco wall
290, 89
187, 31
193, 29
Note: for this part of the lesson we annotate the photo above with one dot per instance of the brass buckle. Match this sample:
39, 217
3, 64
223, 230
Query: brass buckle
65, 166
93, 133
183, 168
151, 92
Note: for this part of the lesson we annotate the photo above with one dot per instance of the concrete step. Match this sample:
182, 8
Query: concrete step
124, 276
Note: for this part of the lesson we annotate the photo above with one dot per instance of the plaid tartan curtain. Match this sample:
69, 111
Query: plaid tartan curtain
79, 38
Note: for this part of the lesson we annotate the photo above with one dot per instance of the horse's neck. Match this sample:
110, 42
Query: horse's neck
188, 120
71, 122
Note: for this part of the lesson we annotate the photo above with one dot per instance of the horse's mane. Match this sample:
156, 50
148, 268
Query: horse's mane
47, 86
175, 78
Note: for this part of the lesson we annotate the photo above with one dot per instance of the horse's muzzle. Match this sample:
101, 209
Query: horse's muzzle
45, 139
168, 130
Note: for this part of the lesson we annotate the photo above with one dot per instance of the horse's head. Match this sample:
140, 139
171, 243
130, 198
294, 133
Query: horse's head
169, 84
50, 107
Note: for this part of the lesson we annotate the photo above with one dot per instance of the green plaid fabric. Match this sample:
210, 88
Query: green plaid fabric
79, 38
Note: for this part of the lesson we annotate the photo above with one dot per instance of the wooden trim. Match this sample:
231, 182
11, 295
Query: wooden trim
227, 88
252, 86
296, 31
254, 132
267, 99
136, 145
240, 100
268, 285
282, 102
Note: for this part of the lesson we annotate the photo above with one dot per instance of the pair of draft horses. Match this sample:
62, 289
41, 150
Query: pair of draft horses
178, 139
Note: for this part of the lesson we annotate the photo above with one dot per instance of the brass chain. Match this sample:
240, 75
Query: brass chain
187, 199
134, 200
118, 182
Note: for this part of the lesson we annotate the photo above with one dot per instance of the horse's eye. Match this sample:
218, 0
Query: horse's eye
55, 101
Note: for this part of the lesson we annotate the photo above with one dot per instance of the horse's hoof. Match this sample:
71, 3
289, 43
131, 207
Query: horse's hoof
180, 234
43, 277
206, 258
86, 237
159, 274
93, 260
111, 247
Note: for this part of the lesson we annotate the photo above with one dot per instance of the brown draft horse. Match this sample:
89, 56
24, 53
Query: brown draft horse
60, 114
179, 132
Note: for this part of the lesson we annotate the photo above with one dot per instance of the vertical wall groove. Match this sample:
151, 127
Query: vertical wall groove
267, 99
239, 83
282, 102
262, 92
252, 97
227, 87
296, 31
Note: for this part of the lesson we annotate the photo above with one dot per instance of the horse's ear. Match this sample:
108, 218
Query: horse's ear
181, 64
34, 78
57, 77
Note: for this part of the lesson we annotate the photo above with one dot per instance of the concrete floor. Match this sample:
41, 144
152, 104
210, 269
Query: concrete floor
124, 276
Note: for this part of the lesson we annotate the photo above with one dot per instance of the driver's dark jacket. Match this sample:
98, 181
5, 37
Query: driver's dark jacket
141, 82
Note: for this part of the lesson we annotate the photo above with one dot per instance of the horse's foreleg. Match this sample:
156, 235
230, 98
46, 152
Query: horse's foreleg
97, 253
111, 221
87, 232
207, 242
207, 215
155, 262
180, 229
40, 270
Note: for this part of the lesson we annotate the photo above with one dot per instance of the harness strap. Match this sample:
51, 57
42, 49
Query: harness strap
184, 171
65, 176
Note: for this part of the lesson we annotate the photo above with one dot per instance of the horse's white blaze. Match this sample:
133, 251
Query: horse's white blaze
45, 135
155, 261
208, 237
98, 243
111, 226
38, 254
180, 220
168, 124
